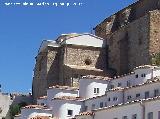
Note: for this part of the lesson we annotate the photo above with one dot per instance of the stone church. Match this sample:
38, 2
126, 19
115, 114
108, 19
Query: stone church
126, 39
68, 58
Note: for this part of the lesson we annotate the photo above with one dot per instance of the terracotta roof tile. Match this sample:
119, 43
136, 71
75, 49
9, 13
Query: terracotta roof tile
68, 98
35, 107
64, 87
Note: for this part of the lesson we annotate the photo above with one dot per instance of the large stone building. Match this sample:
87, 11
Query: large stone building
132, 35
65, 60
127, 39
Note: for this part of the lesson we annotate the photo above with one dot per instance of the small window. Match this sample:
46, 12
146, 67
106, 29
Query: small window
70, 112
42, 103
124, 117
129, 97
101, 104
115, 98
156, 92
109, 99
128, 83
136, 76
112, 86
143, 75
134, 116
146, 94
105, 104
96, 90
119, 84
85, 108
138, 95
150, 115
93, 106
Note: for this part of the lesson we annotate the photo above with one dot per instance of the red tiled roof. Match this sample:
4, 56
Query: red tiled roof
35, 106
40, 117
68, 98
64, 87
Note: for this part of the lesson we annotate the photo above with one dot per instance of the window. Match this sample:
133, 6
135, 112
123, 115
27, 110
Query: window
138, 95
93, 106
124, 117
129, 97
159, 115
115, 98
112, 86
134, 116
119, 84
136, 76
156, 92
115, 118
128, 83
42, 103
143, 75
96, 90
70, 112
101, 104
146, 94
150, 115
105, 104
109, 99
85, 108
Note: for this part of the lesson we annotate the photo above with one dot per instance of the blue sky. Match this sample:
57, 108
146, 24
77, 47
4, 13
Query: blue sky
22, 29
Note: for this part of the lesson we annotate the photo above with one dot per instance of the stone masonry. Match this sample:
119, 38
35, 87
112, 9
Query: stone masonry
64, 65
132, 35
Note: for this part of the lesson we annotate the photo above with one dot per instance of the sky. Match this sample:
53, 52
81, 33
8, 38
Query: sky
24, 24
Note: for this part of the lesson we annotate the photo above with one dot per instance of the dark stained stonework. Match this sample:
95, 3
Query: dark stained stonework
132, 35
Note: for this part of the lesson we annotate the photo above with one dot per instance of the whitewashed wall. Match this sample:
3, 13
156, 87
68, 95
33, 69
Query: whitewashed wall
123, 81
60, 108
84, 117
119, 112
152, 106
86, 40
86, 88
55, 92
107, 100
141, 90
28, 113
156, 72
42, 101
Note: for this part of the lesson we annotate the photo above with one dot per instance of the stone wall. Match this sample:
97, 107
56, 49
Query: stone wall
85, 56
78, 57
128, 46
40, 74
125, 16
154, 46
53, 66
45, 72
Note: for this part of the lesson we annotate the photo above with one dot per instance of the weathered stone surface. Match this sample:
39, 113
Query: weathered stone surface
134, 39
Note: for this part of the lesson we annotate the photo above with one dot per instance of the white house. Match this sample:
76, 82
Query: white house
35, 110
112, 97
58, 91
42, 101
92, 86
131, 96
66, 107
